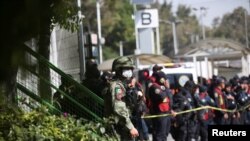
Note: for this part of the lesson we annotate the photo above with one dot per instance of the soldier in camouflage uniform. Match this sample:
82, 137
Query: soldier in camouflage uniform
115, 104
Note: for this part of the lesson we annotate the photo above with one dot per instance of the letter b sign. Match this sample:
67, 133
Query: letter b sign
147, 18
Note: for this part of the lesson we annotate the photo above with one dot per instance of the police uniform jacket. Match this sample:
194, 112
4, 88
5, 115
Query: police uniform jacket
160, 98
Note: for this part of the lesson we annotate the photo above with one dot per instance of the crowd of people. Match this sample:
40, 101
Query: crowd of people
231, 99
151, 106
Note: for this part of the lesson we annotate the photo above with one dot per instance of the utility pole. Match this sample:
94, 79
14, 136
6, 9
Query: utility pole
202, 23
175, 38
173, 22
99, 36
121, 48
80, 41
137, 50
202, 20
158, 50
246, 28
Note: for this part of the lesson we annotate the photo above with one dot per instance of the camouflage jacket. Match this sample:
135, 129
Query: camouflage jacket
116, 106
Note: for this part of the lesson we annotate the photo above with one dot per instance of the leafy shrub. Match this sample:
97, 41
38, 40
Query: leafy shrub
38, 125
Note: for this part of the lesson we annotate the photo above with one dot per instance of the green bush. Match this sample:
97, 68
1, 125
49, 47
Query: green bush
38, 125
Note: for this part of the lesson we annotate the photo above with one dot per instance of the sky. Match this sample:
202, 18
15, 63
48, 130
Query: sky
214, 8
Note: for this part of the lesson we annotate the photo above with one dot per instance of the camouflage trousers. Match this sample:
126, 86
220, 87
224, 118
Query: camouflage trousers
123, 133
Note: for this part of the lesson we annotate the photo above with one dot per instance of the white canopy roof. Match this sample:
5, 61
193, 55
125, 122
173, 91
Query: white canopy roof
144, 59
216, 49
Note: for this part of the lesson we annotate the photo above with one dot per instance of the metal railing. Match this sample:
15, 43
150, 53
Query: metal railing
66, 94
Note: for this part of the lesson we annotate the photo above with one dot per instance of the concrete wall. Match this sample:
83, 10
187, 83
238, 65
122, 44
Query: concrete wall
228, 72
64, 52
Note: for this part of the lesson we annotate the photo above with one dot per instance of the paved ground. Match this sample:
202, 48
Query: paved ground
168, 139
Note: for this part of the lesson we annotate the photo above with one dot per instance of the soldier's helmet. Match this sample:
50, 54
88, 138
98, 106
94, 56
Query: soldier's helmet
122, 62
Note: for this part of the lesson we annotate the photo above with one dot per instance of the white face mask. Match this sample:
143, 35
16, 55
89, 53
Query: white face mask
127, 73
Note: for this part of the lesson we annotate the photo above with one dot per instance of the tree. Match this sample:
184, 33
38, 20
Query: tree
216, 22
184, 31
24, 20
189, 26
89, 12
166, 37
232, 26
17, 19
118, 26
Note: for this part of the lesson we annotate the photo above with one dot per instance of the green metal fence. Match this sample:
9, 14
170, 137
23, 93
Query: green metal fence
65, 94
34, 99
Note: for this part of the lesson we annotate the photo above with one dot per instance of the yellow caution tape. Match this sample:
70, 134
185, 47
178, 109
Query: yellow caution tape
244, 107
223, 110
196, 109
247, 106
178, 113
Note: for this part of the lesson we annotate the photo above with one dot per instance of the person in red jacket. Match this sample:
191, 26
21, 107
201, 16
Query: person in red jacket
161, 100
220, 101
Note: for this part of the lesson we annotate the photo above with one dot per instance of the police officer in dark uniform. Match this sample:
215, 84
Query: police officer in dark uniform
205, 116
161, 104
183, 128
242, 100
192, 128
189, 91
135, 100
231, 104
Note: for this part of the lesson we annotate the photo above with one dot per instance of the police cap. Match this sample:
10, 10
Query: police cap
157, 67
